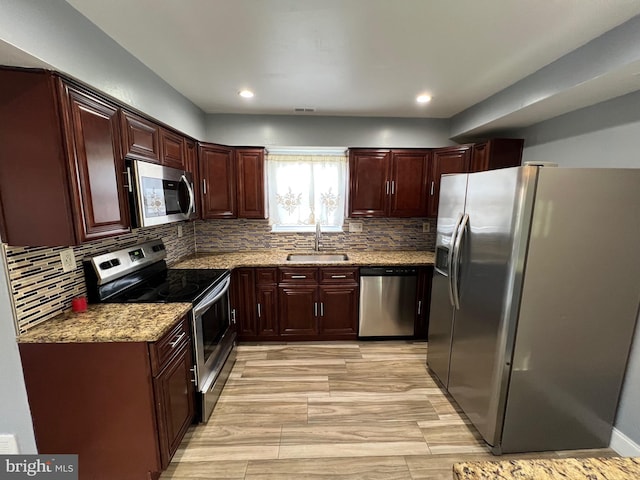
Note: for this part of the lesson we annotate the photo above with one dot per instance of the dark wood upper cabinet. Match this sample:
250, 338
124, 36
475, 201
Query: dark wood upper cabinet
172, 149
446, 160
368, 182
251, 183
140, 138
496, 153
409, 183
65, 183
217, 178
95, 159
388, 183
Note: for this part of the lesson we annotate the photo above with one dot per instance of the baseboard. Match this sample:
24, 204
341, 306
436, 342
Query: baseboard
623, 445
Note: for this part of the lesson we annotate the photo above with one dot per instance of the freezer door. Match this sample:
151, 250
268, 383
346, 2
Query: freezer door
489, 269
578, 310
451, 207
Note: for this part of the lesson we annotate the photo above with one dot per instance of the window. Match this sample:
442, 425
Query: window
306, 187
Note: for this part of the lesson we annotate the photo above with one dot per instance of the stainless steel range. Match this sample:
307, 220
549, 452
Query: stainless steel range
139, 274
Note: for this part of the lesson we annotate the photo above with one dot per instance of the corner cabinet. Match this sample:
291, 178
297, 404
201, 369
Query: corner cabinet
123, 407
61, 180
388, 183
446, 160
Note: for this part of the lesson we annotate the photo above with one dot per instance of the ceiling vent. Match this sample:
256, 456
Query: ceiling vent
304, 110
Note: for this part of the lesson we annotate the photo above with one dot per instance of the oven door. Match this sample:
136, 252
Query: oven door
161, 194
214, 341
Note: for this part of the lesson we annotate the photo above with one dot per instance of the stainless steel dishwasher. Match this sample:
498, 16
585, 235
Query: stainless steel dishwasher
387, 301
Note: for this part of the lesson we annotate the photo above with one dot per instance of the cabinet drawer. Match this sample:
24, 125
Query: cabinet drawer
338, 275
172, 342
266, 276
298, 275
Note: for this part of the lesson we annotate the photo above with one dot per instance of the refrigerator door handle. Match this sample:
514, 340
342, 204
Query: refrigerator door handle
455, 268
450, 259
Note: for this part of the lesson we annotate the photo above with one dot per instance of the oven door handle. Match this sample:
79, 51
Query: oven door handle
212, 297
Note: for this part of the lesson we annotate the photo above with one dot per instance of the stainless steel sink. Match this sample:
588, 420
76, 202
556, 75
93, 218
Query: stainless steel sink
317, 257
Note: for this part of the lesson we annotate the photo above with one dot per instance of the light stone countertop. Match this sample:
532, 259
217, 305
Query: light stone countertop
109, 322
551, 469
275, 258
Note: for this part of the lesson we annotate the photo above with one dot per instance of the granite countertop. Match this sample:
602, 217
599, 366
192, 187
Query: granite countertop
109, 322
275, 258
614, 468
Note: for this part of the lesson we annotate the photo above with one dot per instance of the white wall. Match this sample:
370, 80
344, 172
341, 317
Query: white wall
604, 135
15, 417
59, 35
317, 131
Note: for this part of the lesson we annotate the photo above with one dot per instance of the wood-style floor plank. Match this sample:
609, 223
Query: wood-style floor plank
348, 410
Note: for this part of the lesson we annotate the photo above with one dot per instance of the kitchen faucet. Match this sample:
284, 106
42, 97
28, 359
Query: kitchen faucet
317, 244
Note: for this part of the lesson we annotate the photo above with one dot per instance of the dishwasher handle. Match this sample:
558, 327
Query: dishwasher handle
388, 271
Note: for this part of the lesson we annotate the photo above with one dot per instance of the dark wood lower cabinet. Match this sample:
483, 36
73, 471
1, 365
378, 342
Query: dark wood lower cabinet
123, 407
338, 309
298, 310
175, 402
267, 298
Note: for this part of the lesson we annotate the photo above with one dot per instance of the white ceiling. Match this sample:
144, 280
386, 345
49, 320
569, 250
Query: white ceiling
351, 57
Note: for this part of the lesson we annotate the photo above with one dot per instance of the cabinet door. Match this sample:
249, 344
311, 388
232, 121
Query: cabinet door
251, 183
243, 288
338, 310
140, 138
298, 307
172, 149
267, 297
175, 399
217, 175
480, 157
446, 160
96, 162
423, 302
369, 183
409, 183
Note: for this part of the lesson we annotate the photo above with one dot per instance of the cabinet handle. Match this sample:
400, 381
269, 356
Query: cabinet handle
298, 276
419, 306
233, 316
177, 340
393, 187
315, 309
129, 185
322, 309
338, 276
259, 311
194, 379
432, 183
204, 186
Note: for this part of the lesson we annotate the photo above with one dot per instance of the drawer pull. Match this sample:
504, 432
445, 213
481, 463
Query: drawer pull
177, 340
338, 276
298, 276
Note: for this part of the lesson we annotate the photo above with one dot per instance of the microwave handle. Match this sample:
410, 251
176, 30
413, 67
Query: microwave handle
192, 199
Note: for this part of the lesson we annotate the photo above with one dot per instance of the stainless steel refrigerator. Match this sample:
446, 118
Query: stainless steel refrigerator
535, 297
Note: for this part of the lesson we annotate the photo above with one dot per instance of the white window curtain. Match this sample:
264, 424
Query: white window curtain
305, 189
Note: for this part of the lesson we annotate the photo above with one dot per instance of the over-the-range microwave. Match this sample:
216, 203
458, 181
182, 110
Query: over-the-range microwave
159, 194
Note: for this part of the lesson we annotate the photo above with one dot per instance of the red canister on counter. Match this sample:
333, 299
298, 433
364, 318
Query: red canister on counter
79, 304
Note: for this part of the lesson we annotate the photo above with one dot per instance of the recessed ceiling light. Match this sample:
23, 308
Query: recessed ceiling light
245, 93
424, 98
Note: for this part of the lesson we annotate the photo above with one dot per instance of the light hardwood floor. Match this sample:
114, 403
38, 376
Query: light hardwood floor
333, 410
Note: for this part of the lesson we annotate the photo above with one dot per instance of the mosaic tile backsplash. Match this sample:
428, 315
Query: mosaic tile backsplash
377, 234
41, 290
